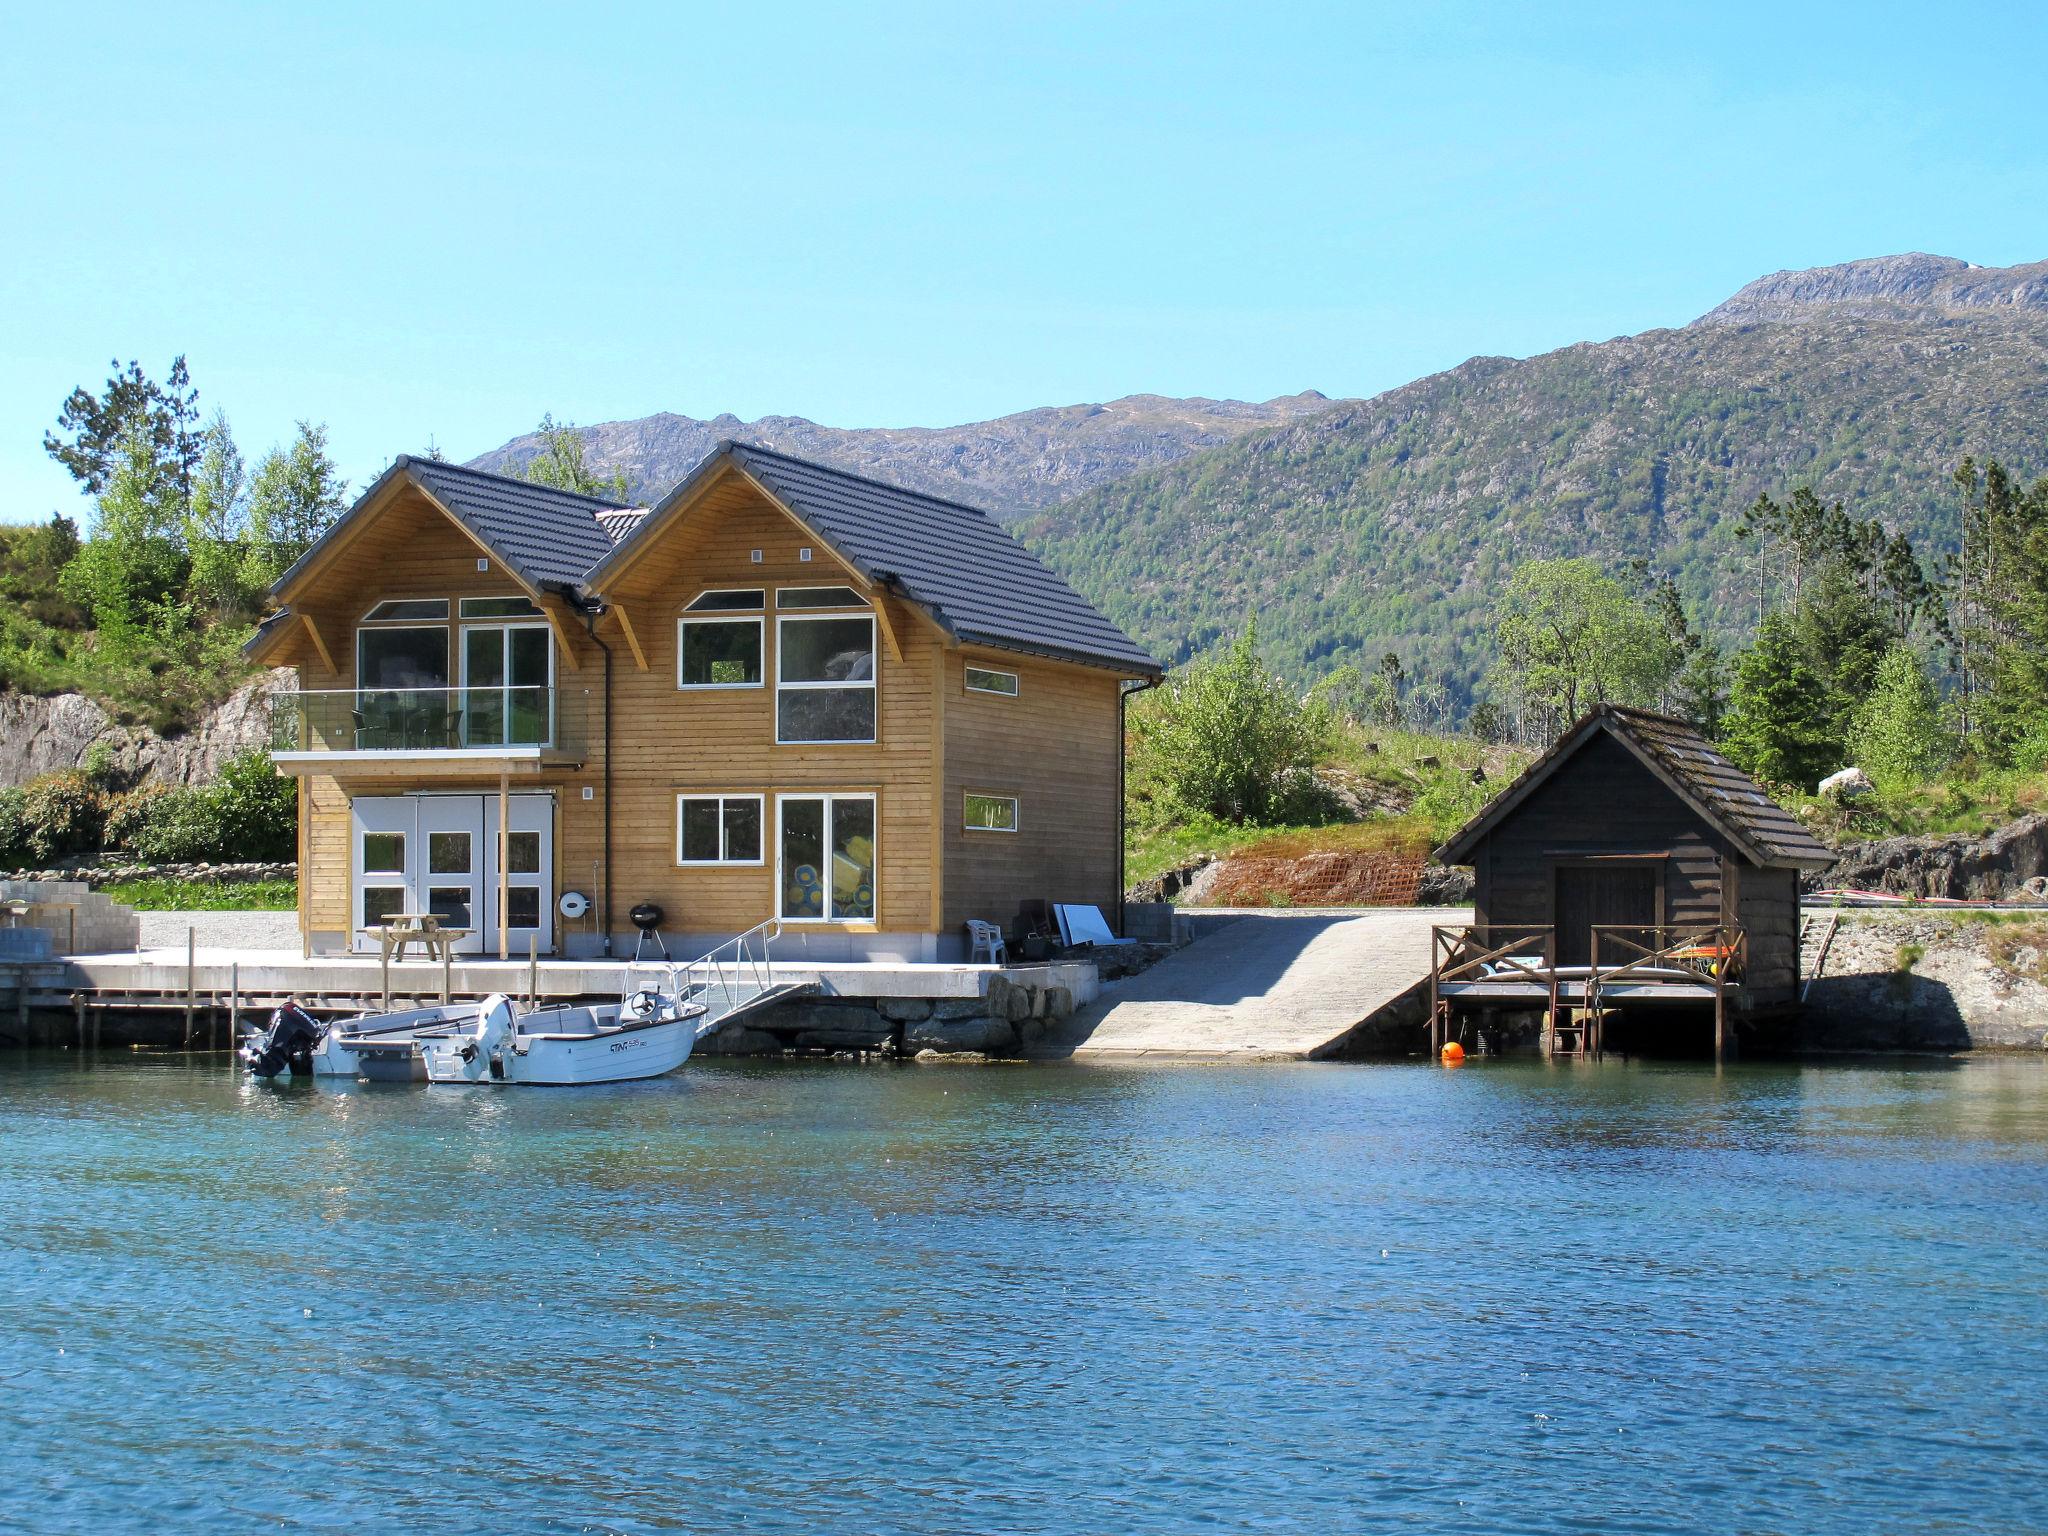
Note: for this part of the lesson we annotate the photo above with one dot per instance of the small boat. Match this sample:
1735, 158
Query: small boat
648, 1032
377, 1046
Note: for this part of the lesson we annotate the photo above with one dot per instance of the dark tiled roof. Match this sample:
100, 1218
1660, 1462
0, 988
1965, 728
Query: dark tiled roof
551, 536
953, 560
617, 525
1721, 793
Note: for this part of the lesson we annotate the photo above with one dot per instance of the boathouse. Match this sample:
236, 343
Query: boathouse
784, 693
1631, 863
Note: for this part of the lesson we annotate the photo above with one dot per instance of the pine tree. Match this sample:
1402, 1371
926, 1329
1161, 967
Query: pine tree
1778, 725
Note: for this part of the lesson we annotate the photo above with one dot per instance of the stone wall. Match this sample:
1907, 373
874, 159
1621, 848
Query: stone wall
1930, 982
79, 921
40, 734
96, 876
1011, 1019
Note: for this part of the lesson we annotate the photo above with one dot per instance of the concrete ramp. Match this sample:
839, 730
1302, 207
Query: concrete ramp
1268, 984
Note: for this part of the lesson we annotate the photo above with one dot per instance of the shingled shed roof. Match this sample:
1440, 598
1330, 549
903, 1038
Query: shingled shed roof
1689, 765
548, 537
950, 559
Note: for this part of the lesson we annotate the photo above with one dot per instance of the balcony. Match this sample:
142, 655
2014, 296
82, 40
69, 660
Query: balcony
463, 727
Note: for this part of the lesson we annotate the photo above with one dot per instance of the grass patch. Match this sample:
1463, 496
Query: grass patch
2020, 949
206, 895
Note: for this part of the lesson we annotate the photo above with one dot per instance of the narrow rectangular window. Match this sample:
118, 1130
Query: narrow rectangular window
990, 813
825, 866
988, 680
718, 653
499, 608
825, 679
718, 829
818, 597
407, 608
729, 600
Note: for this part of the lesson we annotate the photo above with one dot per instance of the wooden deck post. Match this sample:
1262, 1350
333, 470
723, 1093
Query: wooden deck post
191, 980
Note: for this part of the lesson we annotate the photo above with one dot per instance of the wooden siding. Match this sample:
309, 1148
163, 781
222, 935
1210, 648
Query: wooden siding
1601, 802
1054, 747
1768, 909
670, 741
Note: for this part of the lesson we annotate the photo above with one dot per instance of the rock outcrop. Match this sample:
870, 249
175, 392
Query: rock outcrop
39, 734
1929, 982
1994, 868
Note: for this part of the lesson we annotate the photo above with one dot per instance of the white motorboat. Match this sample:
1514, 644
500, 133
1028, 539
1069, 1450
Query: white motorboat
377, 1046
648, 1033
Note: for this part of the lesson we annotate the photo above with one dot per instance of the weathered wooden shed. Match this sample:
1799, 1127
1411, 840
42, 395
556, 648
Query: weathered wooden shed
1633, 834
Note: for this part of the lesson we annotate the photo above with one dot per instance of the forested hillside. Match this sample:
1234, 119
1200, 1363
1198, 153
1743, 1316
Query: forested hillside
1394, 524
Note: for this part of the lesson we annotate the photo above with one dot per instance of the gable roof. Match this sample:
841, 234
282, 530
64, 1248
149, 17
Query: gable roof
952, 560
1689, 765
548, 537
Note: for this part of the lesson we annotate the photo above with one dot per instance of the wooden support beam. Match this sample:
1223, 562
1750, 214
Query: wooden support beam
320, 645
504, 860
563, 643
888, 625
632, 636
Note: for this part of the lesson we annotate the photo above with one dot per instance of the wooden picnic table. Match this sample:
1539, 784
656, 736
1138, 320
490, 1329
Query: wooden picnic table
421, 928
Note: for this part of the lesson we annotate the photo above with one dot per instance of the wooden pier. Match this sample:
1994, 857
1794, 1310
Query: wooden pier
1514, 968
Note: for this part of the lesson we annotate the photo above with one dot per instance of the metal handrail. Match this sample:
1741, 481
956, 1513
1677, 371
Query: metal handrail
745, 955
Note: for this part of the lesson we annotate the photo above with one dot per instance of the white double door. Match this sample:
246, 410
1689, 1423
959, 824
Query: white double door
439, 853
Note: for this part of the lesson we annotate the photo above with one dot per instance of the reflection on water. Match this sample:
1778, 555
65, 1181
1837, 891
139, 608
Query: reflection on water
839, 1298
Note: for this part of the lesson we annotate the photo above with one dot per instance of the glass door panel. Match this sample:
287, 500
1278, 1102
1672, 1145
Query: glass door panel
483, 686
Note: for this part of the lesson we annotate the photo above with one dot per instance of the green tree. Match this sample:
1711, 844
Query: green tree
1230, 739
1700, 693
563, 462
217, 524
1573, 637
1779, 724
1845, 630
1897, 736
296, 495
135, 559
95, 433
2002, 582
1383, 692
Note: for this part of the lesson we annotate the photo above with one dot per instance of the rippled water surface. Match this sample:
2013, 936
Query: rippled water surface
838, 1298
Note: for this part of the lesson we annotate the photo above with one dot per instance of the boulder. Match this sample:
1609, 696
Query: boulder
905, 1010
1847, 786
1992, 868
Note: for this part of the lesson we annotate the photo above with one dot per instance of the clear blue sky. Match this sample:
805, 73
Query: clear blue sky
422, 222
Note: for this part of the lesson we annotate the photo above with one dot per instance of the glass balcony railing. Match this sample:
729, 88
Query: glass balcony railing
400, 720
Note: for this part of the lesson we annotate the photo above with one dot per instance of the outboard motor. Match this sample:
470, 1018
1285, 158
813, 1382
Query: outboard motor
289, 1042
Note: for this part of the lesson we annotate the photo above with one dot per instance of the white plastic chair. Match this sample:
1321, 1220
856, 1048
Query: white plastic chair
985, 942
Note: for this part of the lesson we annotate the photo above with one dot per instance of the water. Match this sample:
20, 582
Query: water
833, 1298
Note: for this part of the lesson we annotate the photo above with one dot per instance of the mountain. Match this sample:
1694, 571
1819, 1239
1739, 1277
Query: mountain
1011, 466
1914, 286
1393, 523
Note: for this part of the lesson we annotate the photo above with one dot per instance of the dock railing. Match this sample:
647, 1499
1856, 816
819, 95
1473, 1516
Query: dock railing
1712, 956
1477, 952
733, 975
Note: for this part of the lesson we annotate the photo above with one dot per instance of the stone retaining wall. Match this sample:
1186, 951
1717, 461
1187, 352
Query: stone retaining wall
1930, 982
79, 921
1011, 1019
95, 876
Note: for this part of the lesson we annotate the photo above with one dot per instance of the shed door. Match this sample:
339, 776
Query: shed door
1603, 894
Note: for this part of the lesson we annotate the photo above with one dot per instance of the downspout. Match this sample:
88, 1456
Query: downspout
1123, 699
591, 613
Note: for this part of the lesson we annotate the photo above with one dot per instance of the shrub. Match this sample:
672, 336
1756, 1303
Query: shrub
13, 829
63, 816
1232, 740
1897, 737
248, 814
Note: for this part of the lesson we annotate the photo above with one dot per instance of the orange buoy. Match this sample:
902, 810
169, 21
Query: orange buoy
1454, 1053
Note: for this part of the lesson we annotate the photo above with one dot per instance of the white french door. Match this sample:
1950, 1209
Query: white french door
439, 853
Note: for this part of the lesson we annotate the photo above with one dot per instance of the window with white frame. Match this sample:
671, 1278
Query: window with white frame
718, 829
723, 652
989, 813
989, 680
825, 678
825, 858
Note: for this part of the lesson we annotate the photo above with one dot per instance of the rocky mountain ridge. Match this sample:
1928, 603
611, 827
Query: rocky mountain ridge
1010, 466
1914, 286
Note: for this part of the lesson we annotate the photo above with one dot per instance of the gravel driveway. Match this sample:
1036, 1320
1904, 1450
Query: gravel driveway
221, 930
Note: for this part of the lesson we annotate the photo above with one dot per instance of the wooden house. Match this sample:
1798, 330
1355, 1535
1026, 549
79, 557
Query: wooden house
1633, 850
782, 692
